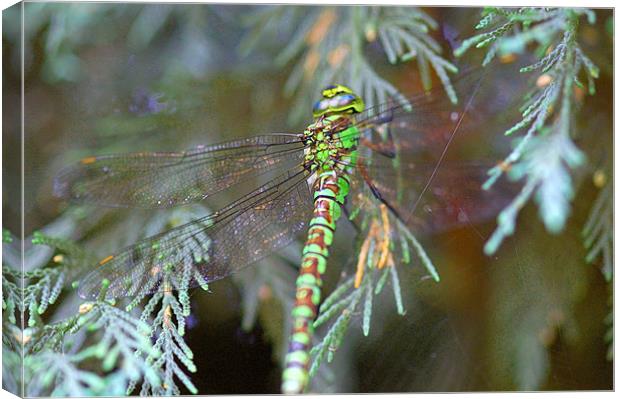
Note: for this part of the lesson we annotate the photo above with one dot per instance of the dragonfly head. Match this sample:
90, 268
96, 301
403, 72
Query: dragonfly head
338, 99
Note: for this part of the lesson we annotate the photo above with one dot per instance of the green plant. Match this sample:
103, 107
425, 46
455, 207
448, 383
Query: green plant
328, 44
546, 154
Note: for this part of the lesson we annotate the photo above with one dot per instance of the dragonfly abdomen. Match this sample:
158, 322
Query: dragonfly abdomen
330, 191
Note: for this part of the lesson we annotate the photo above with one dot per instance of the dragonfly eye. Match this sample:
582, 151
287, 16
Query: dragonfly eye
345, 99
338, 99
320, 107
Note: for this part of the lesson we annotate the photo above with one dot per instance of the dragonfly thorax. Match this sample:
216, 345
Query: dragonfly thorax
326, 140
331, 143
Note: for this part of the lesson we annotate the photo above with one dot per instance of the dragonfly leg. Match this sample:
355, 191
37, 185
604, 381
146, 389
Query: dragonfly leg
375, 192
385, 242
380, 234
363, 256
384, 147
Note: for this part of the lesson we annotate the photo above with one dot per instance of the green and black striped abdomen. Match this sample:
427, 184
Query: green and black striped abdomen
332, 155
329, 194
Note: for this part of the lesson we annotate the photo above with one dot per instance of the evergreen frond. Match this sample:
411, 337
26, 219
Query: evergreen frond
546, 169
328, 44
378, 260
545, 155
166, 313
34, 290
120, 341
598, 231
57, 374
119, 338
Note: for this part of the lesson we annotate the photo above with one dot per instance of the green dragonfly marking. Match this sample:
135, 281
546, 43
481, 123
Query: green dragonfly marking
394, 153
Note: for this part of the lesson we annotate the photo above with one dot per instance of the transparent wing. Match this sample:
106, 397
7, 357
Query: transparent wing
424, 162
159, 180
453, 198
210, 248
475, 88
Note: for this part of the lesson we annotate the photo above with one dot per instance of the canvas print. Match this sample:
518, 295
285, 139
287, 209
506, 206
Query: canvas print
241, 199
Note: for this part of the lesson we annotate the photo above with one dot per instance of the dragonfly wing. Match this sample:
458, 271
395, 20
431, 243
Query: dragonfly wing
422, 161
159, 180
430, 200
481, 92
210, 248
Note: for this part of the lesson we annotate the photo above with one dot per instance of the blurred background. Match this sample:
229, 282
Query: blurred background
109, 78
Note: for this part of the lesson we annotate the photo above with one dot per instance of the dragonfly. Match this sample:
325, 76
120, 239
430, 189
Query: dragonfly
395, 152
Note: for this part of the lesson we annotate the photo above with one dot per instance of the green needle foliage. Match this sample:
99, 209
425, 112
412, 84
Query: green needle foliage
33, 291
57, 354
598, 240
169, 343
327, 45
545, 157
598, 231
342, 306
383, 242
166, 313
545, 154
